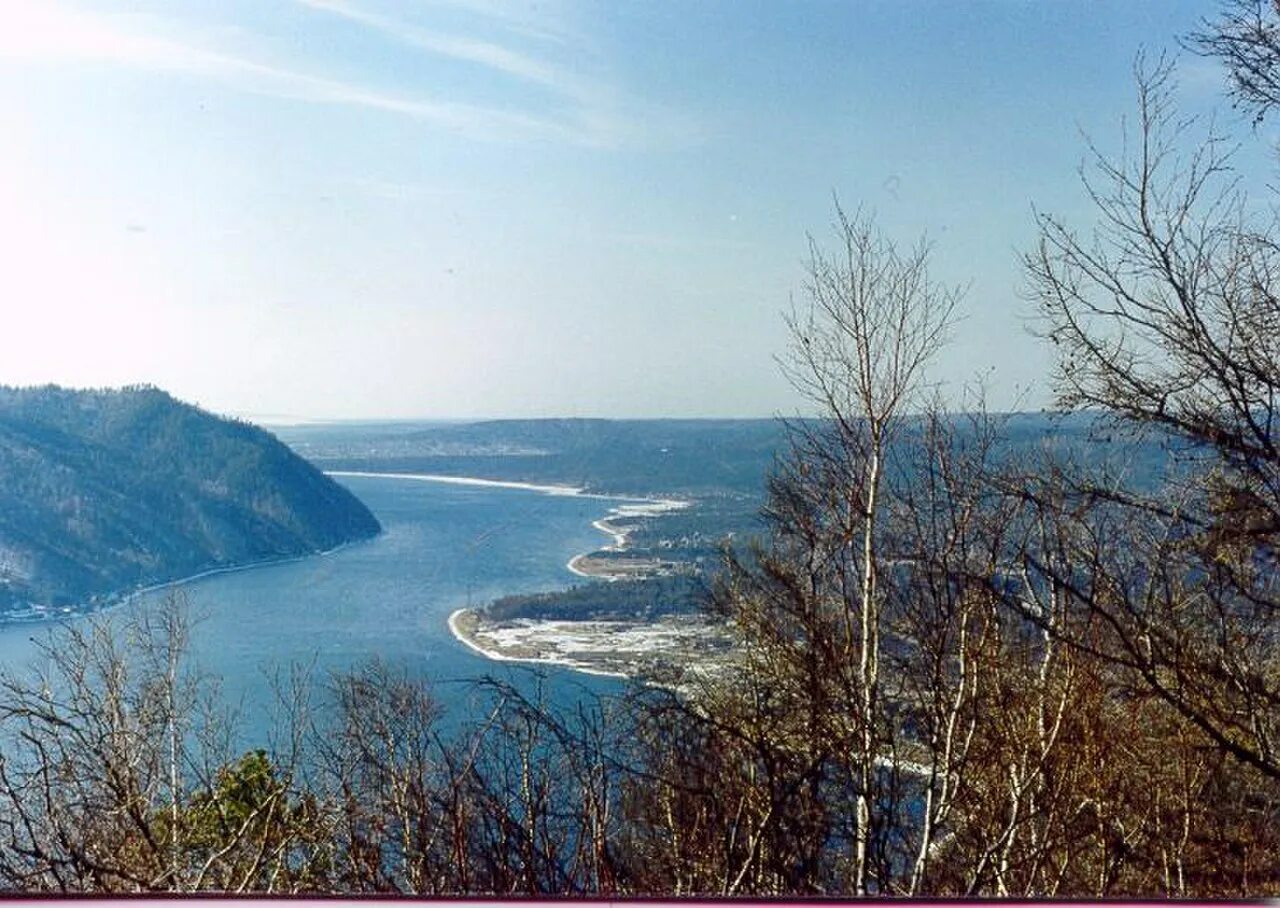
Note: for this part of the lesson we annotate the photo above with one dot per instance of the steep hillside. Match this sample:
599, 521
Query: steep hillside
102, 491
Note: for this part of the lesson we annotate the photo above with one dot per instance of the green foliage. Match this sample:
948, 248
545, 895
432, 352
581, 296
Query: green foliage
252, 812
244, 794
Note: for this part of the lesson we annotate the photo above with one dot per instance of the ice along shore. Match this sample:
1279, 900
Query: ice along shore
584, 564
620, 649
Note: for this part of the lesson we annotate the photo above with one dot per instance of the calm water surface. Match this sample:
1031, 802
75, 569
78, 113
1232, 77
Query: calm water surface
442, 547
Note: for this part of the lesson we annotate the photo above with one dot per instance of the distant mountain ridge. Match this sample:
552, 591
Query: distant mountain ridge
642, 456
106, 490
633, 456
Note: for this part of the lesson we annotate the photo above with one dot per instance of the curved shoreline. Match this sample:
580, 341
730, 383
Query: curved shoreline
574, 491
237, 568
572, 566
629, 506
632, 506
466, 640
679, 649
120, 599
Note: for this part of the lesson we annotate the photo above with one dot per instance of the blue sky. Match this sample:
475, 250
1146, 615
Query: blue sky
458, 208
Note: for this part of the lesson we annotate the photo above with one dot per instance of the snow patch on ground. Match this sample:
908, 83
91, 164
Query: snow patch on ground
677, 644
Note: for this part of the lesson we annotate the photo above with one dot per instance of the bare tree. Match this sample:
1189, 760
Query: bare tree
91, 775
874, 320
808, 710
118, 772
381, 761
1167, 316
1245, 38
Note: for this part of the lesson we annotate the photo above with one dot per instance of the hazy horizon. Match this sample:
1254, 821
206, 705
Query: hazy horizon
358, 209
286, 420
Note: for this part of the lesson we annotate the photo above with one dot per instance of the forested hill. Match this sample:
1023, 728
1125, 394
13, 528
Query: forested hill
640, 456
692, 457
102, 491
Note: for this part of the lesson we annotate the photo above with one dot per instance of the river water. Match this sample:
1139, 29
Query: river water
443, 546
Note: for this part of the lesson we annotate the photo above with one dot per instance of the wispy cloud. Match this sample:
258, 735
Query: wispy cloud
538, 21
482, 53
588, 106
41, 31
